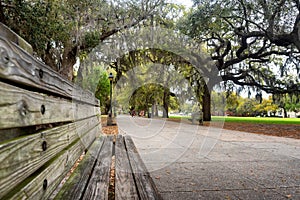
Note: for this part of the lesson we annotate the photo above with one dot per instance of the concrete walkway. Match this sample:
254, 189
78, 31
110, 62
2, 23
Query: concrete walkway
196, 162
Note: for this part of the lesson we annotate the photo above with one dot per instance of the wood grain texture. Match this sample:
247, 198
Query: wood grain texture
22, 157
125, 187
99, 182
35, 97
54, 172
20, 108
143, 180
74, 188
21, 68
8, 34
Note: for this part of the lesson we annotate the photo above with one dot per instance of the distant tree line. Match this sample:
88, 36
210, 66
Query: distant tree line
235, 105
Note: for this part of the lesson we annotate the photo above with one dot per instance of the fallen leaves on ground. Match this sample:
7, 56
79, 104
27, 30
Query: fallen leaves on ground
280, 130
111, 189
108, 130
289, 196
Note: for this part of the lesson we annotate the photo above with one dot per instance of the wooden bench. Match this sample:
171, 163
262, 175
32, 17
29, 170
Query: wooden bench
91, 179
46, 125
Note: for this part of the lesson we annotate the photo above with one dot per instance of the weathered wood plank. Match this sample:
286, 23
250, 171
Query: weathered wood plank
21, 157
74, 188
20, 108
99, 182
52, 174
86, 139
125, 187
144, 182
20, 67
8, 34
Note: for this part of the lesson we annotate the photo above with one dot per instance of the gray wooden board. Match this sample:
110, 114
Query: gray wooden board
19, 67
20, 108
74, 188
99, 182
21, 157
124, 182
8, 34
53, 173
145, 184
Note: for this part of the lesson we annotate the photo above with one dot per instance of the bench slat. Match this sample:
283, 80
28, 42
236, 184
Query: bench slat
74, 188
53, 173
125, 187
13, 37
20, 108
99, 182
46, 122
144, 182
20, 67
21, 157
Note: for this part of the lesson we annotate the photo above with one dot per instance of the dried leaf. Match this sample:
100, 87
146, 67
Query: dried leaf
289, 196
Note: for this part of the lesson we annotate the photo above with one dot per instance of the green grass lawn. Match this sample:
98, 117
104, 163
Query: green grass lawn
259, 120
180, 117
256, 120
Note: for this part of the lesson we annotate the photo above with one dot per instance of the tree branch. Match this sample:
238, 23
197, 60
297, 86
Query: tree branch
2, 16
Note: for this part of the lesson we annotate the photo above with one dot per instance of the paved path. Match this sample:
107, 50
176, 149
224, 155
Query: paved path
195, 162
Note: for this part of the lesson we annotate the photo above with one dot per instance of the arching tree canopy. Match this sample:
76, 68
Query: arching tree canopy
254, 43
251, 43
60, 31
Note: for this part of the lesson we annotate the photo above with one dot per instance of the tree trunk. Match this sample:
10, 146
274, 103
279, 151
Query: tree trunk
152, 110
156, 109
2, 16
166, 103
69, 59
206, 104
64, 66
67, 68
49, 59
79, 77
284, 113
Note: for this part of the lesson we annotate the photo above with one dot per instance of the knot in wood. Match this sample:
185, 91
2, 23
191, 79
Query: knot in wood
41, 73
23, 108
4, 58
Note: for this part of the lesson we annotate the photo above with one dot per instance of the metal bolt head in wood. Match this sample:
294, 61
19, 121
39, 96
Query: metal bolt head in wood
44, 146
43, 109
45, 184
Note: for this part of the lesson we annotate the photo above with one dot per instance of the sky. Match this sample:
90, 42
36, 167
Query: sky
187, 3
